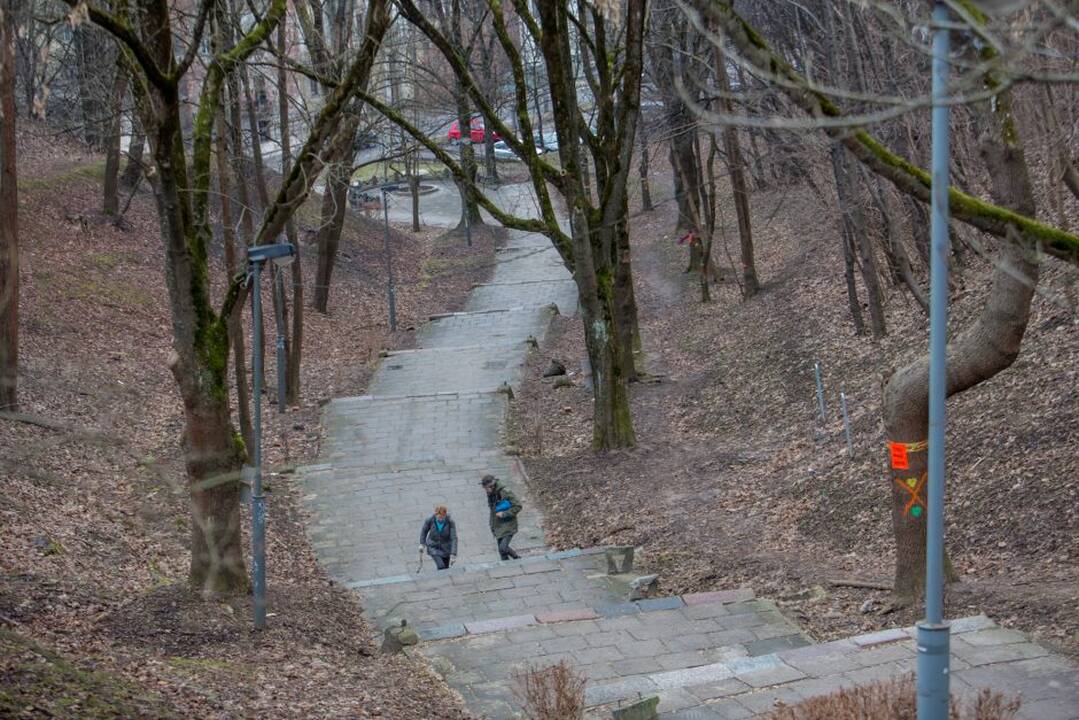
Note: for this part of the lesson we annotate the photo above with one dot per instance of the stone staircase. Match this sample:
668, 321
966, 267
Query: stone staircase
432, 426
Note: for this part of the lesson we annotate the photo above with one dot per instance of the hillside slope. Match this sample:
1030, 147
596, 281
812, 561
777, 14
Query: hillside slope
97, 620
734, 480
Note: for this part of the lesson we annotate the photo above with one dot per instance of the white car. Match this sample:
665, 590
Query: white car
504, 152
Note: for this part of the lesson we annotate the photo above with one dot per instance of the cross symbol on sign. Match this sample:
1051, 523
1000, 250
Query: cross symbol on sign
916, 505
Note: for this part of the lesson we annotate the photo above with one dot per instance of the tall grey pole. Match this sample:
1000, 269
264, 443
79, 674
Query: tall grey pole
279, 317
933, 632
820, 390
258, 500
846, 422
391, 296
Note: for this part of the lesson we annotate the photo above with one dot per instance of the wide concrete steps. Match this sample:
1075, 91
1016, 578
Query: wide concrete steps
494, 326
482, 625
475, 368
562, 293
983, 656
409, 430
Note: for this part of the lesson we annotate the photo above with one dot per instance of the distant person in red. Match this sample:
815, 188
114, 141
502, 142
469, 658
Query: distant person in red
439, 538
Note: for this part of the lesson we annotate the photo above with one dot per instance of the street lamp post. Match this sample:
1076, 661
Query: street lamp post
933, 633
281, 254
391, 292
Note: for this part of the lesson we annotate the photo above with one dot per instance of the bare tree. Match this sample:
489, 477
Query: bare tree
596, 248
9, 219
199, 360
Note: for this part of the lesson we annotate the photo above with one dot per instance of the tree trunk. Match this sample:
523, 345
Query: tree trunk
646, 191
334, 202
111, 201
468, 164
981, 351
852, 230
852, 289
295, 347
414, 189
9, 223
235, 324
612, 426
132, 173
736, 166
92, 53
213, 464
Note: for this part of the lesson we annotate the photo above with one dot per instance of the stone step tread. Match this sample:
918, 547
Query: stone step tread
491, 311
751, 685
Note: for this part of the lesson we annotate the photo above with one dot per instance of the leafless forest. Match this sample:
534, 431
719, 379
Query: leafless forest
740, 191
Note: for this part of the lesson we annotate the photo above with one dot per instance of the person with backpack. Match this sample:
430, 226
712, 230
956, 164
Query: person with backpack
504, 507
439, 538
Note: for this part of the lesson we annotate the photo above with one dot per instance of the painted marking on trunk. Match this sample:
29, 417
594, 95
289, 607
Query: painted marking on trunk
915, 506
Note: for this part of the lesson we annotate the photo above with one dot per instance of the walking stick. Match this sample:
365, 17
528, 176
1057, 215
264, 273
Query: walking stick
420, 566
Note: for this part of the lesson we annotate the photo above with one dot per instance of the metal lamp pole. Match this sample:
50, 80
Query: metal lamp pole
280, 254
933, 633
391, 293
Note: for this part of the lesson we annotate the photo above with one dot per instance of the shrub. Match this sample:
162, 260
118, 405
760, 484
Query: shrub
893, 700
555, 692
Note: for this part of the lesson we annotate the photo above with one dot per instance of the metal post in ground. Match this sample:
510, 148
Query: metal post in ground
846, 422
933, 632
820, 390
279, 318
391, 293
281, 254
258, 500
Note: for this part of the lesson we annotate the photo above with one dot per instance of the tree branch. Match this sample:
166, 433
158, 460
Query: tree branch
906, 176
196, 40
126, 34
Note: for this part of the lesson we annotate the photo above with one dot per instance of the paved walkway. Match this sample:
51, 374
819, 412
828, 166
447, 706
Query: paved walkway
432, 426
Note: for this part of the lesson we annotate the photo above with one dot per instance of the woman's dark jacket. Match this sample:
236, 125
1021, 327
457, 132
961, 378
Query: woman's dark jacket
439, 542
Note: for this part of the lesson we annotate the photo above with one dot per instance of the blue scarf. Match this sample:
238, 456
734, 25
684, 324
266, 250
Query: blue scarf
439, 524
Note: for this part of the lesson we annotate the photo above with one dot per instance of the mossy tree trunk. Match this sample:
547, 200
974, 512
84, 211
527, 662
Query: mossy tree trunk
200, 352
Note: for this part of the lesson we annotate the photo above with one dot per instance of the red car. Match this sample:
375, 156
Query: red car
476, 131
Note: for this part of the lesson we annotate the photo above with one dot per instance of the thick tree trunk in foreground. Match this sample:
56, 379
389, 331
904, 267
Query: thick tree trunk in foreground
9, 223
981, 351
213, 459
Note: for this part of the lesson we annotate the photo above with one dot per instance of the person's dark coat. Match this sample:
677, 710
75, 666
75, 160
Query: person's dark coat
501, 527
441, 542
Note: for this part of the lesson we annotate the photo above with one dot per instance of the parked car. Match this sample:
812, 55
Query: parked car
504, 152
477, 131
547, 142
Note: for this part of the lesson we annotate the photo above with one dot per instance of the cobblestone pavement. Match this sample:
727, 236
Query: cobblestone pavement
432, 426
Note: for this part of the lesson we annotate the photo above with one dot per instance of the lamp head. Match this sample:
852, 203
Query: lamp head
281, 254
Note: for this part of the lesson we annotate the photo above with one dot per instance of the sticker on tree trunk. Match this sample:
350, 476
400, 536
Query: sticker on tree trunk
915, 506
